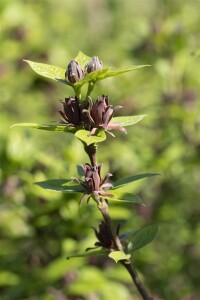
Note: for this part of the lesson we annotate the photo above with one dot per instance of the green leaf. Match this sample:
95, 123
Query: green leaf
89, 253
122, 196
82, 59
84, 136
118, 72
48, 127
128, 120
119, 255
142, 237
103, 74
93, 76
120, 183
61, 185
49, 71
127, 235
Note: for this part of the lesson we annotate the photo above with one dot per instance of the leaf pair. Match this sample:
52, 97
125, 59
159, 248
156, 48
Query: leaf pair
70, 186
58, 74
80, 133
140, 237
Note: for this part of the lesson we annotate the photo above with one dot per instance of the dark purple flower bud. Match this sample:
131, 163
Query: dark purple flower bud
74, 72
92, 178
104, 236
100, 114
94, 65
93, 183
72, 114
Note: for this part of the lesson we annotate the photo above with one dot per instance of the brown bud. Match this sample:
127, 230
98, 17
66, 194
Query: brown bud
94, 65
74, 72
71, 113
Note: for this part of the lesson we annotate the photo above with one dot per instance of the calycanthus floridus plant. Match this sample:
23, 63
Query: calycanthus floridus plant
90, 120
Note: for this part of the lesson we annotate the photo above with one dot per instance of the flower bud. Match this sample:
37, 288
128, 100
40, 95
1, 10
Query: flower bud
74, 72
99, 115
72, 111
94, 65
93, 183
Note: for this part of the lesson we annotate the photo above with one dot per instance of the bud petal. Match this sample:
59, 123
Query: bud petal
74, 72
94, 65
72, 111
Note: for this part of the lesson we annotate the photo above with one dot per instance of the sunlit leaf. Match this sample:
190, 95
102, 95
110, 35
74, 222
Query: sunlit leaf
121, 71
128, 120
84, 136
93, 76
48, 71
119, 255
122, 182
82, 59
123, 197
89, 253
103, 74
61, 185
142, 237
48, 127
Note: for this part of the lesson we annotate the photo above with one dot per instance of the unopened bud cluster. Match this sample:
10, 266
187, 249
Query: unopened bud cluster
75, 73
93, 183
97, 116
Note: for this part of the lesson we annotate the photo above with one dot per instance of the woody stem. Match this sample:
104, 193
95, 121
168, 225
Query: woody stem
91, 152
103, 207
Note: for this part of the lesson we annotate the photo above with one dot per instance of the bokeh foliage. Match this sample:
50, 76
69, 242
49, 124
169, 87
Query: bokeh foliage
38, 229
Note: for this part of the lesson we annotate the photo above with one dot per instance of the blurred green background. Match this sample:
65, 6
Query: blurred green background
39, 228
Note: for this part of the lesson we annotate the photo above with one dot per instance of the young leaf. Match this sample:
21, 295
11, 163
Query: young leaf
49, 71
89, 253
82, 59
119, 255
103, 74
61, 185
93, 76
84, 136
48, 127
128, 120
118, 72
120, 183
142, 237
123, 197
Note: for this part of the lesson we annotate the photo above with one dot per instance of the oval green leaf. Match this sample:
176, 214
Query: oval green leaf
61, 185
84, 136
142, 237
48, 127
49, 71
124, 181
123, 197
119, 255
82, 59
127, 235
128, 120
93, 76
120, 71
89, 253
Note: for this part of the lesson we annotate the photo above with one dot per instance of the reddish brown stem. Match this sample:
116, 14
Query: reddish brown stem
103, 207
91, 151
